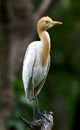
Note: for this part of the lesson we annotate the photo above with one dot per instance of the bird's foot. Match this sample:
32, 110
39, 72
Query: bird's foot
45, 118
32, 125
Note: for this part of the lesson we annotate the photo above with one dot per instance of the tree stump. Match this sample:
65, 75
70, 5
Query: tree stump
45, 122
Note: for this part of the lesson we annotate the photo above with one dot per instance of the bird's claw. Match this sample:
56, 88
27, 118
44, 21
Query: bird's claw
36, 124
33, 125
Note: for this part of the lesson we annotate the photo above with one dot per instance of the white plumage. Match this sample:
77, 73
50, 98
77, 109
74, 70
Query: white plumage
34, 73
36, 62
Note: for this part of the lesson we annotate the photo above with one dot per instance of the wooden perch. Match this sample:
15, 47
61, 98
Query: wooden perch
45, 122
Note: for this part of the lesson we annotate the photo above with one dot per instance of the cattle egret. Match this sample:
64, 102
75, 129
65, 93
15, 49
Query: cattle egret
36, 62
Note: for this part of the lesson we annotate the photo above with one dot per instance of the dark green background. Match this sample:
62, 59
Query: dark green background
61, 92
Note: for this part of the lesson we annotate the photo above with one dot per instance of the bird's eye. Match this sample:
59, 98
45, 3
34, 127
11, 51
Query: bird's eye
46, 22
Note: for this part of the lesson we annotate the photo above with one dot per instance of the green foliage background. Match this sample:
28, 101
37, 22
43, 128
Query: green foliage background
62, 87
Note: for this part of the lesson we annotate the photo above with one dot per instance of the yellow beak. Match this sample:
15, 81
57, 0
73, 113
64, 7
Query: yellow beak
56, 22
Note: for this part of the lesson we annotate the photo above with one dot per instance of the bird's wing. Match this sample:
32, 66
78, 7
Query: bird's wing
39, 87
28, 65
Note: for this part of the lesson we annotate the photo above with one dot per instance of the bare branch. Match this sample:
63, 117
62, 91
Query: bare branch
45, 6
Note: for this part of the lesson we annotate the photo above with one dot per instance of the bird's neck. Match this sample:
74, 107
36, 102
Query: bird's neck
45, 39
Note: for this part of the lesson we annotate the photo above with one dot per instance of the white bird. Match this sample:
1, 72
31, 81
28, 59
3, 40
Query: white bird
36, 62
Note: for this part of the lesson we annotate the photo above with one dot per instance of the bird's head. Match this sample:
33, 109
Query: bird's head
45, 23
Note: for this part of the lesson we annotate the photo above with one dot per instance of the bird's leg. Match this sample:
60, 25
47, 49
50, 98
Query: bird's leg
34, 111
37, 105
39, 113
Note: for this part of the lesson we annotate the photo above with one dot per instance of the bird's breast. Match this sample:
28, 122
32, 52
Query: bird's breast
39, 71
